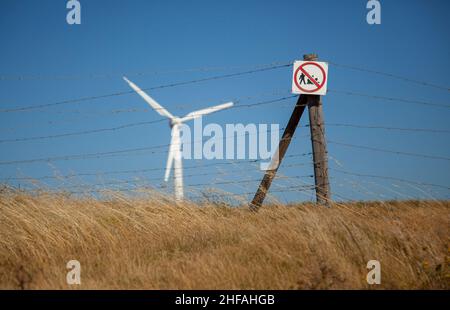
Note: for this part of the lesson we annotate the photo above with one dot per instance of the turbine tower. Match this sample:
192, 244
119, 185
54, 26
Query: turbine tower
175, 122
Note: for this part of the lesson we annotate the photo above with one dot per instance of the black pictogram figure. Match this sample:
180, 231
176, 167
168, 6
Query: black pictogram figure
302, 79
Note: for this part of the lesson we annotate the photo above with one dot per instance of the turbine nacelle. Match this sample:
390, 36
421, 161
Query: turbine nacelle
175, 121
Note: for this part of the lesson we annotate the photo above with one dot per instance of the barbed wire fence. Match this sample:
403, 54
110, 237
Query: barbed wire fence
236, 179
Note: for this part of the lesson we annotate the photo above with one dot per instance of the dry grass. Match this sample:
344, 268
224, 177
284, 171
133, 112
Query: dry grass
149, 243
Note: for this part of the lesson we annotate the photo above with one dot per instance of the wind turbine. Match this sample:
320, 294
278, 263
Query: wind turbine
175, 122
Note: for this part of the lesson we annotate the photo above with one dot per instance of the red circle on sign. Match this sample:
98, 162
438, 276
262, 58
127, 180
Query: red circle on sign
309, 77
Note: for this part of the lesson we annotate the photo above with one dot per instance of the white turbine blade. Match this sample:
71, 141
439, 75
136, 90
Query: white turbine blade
155, 105
199, 113
170, 157
168, 165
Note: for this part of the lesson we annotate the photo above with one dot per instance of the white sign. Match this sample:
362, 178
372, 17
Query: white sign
310, 77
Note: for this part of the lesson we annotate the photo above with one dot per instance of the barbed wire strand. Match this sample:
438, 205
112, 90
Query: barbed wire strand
130, 125
394, 76
394, 99
389, 178
389, 151
117, 152
146, 170
138, 73
116, 94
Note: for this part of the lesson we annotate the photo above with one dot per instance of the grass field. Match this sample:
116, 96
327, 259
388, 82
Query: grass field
150, 243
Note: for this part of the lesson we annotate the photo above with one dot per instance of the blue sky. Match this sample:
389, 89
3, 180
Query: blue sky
170, 41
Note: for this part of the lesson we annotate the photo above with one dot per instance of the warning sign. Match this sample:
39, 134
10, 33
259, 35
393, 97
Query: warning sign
310, 77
